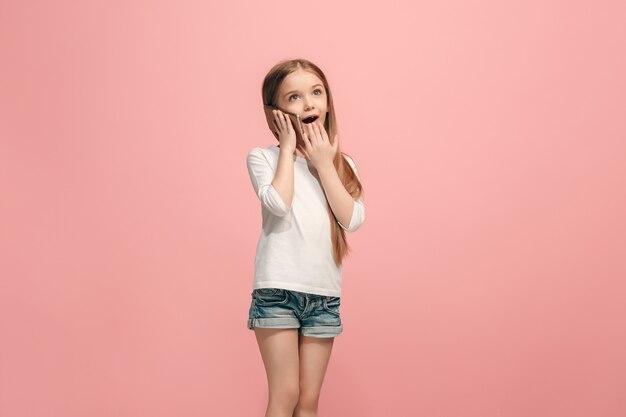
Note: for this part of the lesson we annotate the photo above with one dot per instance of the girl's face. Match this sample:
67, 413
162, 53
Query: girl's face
303, 93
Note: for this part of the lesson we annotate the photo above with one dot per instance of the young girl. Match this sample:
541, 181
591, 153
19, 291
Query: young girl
310, 196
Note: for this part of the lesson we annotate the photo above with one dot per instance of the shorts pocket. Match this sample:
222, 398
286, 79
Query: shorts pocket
331, 304
270, 296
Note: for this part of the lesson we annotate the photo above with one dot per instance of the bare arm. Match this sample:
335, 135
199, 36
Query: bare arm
350, 212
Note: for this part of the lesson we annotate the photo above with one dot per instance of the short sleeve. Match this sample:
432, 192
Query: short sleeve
358, 211
262, 175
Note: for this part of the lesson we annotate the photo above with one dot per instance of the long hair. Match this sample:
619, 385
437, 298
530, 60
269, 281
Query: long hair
271, 83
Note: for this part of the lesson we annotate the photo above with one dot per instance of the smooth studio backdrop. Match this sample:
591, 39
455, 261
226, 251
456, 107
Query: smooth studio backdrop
487, 280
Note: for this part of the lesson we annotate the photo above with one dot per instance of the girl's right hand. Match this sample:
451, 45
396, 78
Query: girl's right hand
286, 132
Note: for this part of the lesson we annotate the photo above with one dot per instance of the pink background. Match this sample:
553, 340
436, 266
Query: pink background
488, 278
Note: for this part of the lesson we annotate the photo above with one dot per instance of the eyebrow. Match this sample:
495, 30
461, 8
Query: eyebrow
295, 91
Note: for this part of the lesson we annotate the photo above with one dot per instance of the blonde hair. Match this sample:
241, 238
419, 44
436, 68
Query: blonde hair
271, 84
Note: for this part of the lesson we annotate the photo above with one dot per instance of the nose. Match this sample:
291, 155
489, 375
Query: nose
308, 103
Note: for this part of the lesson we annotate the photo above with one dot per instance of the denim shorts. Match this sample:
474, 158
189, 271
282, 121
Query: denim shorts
313, 315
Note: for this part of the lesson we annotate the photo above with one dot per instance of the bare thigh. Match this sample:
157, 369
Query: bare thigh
279, 350
314, 357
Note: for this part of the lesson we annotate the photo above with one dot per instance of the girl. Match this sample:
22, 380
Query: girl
310, 196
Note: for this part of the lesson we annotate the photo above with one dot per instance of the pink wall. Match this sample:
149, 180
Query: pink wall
488, 279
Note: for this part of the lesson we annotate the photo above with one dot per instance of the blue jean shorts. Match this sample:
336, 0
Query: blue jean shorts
313, 315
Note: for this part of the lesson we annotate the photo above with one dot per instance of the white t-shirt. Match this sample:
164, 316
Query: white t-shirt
294, 251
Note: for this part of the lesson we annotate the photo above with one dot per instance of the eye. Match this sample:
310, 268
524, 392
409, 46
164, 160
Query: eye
296, 95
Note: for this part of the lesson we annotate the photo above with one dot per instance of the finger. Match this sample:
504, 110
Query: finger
277, 120
318, 133
287, 121
323, 132
283, 120
313, 135
310, 138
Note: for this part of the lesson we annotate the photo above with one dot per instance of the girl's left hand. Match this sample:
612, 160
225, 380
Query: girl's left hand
317, 146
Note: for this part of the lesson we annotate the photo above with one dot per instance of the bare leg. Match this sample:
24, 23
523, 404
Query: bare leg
279, 350
314, 358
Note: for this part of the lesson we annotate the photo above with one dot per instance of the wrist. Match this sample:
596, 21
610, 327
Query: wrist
286, 153
326, 165
286, 148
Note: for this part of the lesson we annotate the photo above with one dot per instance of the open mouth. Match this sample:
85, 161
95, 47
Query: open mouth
310, 119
